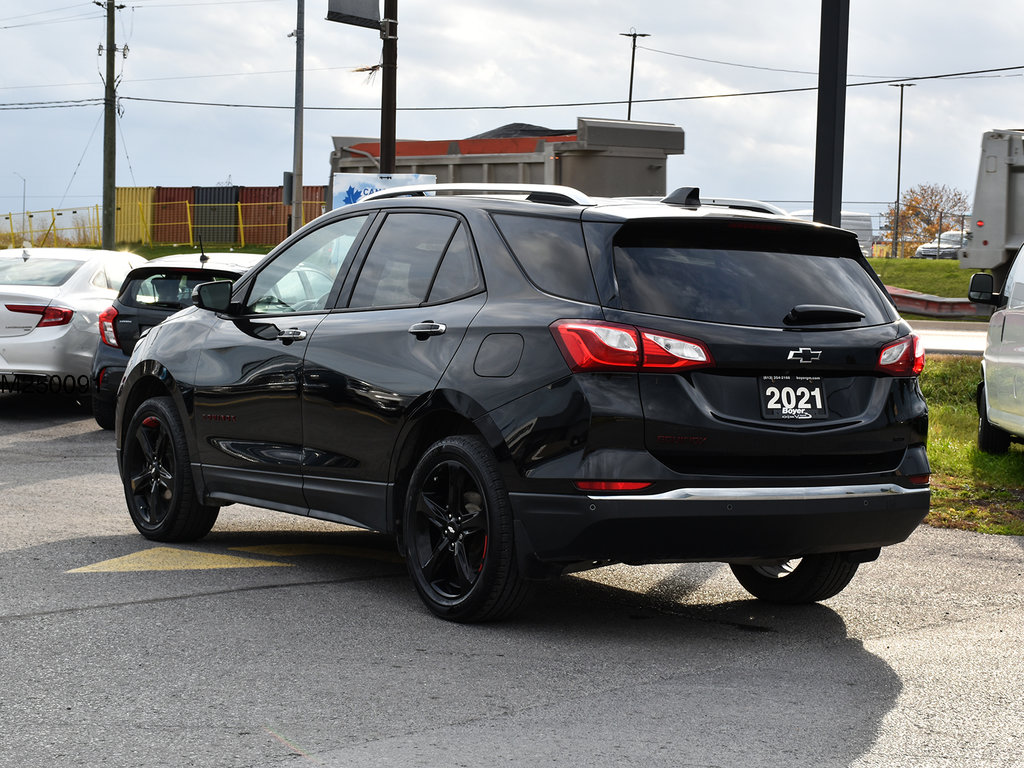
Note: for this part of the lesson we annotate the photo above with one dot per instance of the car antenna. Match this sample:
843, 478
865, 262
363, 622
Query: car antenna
203, 258
25, 254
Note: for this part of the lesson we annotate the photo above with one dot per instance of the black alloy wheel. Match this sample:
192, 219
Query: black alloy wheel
157, 477
457, 529
803, 580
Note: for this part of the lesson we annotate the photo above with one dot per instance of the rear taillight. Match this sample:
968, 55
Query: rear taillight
903, 357
48, 316
108, 331
595, 346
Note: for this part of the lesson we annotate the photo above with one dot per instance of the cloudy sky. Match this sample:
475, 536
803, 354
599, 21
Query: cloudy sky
483, 53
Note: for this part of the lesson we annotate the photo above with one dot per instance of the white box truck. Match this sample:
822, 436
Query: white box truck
996, 229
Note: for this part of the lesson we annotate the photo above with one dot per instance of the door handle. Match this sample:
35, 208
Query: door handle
288, 335
423, 330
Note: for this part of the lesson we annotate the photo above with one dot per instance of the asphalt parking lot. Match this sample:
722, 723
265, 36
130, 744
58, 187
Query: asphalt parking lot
282, 641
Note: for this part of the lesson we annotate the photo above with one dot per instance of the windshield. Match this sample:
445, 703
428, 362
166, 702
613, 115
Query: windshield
34, 271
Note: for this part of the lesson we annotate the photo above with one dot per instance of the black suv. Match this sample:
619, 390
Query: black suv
521, 381
149, 295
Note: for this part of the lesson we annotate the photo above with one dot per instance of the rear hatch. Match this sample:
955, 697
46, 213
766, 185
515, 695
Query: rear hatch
809, 370
151, 295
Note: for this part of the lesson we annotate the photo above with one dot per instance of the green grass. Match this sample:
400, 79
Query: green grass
938, 277
971, 490
152, 251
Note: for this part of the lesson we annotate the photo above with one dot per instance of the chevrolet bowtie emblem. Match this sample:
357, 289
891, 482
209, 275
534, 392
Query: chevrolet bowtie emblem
805, 355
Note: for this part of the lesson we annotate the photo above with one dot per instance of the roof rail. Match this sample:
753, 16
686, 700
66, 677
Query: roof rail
538, 193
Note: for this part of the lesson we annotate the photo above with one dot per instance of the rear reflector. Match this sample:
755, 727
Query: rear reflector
919, 479
48, 316
610, 485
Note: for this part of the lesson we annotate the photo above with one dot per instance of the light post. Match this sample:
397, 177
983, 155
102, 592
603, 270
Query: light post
899, 165
23, 183
632, 63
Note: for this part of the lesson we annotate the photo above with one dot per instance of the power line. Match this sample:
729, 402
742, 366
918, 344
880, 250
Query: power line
498, 107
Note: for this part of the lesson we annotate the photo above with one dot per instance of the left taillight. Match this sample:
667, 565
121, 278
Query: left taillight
903, 357
48, 316
590, 346
108, 331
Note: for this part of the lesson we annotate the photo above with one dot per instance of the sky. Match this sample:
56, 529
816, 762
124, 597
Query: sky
700, 58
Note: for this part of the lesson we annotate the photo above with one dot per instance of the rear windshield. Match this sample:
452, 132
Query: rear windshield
167, 290
732, 281
31, 271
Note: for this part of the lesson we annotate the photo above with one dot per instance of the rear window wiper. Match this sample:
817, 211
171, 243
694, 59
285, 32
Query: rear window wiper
804, 314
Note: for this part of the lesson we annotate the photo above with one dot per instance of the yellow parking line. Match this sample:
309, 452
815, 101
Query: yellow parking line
171, 559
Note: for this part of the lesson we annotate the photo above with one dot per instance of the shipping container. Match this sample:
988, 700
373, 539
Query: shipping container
134, 215
215, 215
172, 215
263, 215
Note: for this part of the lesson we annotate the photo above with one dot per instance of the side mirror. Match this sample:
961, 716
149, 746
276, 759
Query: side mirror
982, 289
215, 296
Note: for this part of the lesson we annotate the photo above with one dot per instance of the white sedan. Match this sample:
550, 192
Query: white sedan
50, 301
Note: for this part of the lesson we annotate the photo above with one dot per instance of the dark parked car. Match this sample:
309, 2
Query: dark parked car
149, 295
520, 383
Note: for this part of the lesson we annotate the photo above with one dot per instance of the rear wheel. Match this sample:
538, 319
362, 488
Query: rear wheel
804, 580
457, 528
103, 411
157, 476
991, 439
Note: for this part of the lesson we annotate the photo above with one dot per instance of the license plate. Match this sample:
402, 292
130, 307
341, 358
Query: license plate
793, 398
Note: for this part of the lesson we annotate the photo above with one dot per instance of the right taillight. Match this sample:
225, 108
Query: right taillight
108, 331
589, 345
903, 357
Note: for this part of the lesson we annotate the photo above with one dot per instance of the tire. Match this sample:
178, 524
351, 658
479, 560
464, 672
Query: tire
991, 439
103, 412
458, 536
157, 476
806, 580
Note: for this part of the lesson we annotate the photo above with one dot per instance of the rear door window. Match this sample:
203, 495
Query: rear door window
417, 258
746, 280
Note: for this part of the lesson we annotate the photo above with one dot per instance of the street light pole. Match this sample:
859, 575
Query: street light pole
632, 64
899, 166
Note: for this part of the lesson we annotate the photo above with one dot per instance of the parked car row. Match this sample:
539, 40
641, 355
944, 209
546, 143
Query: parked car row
518, 381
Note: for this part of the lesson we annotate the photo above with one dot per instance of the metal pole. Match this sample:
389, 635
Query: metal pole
109, 137
899, 166
299, 35
828, 160
389, 86
632, 64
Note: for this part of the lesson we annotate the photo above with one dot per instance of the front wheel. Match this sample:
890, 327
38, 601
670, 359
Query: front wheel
805, 580
457, 529
157, 476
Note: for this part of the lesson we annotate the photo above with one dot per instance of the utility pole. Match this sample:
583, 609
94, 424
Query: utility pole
389, 86
109, 128
299, 34
632, 63
899, 166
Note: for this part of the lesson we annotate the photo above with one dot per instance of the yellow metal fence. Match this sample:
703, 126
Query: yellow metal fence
156, 223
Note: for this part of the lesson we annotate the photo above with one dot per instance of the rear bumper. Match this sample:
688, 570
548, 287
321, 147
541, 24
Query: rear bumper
717, 524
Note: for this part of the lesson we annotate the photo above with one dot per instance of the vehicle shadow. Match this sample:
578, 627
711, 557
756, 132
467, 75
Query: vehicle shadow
336, 644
